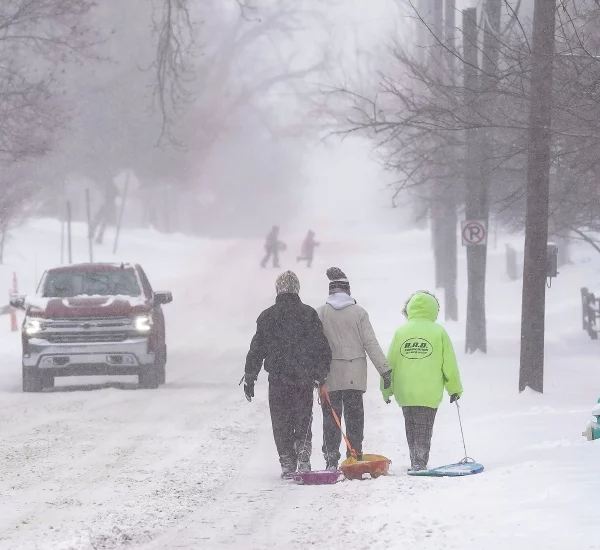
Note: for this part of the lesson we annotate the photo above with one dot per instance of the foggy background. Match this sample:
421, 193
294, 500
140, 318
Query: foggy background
240, 142
232, 136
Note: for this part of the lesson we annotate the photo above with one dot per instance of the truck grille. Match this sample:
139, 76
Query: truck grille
85, 337
87, 323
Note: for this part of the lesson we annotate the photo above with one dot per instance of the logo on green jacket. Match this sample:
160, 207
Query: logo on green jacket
416, 348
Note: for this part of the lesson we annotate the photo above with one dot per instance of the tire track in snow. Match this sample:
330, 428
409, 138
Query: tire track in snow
256, 511
230, 510
123, 443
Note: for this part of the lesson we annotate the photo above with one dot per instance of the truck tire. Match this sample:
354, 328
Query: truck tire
32, 380
149, 378
47, 380
162, 366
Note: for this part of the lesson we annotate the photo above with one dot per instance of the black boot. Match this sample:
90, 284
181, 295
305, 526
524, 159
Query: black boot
332, 460
304, 450
288, 466
331, 465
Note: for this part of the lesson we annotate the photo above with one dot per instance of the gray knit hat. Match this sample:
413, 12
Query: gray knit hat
287, 283
338, 281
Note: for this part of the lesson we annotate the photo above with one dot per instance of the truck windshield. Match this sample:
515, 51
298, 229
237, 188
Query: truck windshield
66, 284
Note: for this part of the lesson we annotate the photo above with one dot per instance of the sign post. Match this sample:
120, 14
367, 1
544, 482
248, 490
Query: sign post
13, 292
474, 232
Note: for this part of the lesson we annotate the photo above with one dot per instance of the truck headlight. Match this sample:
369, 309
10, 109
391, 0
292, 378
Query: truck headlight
33, 326
143, 323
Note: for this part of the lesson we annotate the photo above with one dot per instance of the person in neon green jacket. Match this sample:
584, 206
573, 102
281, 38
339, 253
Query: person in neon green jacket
423, 362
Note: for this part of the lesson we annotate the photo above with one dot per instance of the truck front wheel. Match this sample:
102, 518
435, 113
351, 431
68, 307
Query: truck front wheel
32, 380
47, 380
149, 378
161, 362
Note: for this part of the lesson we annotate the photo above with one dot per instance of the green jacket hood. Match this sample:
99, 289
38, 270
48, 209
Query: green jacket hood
422, 306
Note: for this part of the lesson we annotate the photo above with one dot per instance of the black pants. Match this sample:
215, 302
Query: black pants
418, 422
291, 417
272, 251
348, 403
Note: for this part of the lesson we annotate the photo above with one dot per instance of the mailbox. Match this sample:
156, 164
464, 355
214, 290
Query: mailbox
551, 260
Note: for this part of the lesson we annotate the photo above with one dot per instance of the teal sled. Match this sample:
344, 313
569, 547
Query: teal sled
451, 470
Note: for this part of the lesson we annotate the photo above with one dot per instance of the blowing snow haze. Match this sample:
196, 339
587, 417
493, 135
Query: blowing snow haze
207, 107
285, 274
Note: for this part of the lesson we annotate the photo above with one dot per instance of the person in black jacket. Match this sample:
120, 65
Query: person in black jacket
290, 340
272, 247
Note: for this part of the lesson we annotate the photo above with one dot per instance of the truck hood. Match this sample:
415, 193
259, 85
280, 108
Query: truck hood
87, 306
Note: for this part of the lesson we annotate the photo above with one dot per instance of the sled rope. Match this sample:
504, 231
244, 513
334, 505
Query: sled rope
325, 393
462, 433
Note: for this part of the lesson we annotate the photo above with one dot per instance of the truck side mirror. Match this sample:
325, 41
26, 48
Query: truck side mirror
163, 298
17, 302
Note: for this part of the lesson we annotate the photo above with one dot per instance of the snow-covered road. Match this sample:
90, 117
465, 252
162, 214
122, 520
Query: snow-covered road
192, 464
97, 463
112, 459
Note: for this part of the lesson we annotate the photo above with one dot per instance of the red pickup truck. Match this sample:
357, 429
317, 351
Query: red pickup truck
93, 319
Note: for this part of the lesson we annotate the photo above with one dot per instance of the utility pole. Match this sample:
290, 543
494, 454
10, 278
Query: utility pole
62, 239
121, 212
443, 203
88, 209
423, 38
531, 373
474, 340
437, 194
450, 22
62, 226
69, 239
449, 214
477, 202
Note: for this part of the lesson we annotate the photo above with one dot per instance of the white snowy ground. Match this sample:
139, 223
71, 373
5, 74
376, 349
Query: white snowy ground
192, 465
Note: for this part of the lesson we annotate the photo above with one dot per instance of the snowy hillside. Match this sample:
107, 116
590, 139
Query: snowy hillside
96, 464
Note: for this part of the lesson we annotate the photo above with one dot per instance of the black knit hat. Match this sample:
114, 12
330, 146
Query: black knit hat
338, 281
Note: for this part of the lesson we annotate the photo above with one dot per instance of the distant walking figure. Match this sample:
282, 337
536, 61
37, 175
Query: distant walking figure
308, 249
272, 247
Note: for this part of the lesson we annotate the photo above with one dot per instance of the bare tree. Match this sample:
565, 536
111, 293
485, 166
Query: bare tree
175, 35
198, 67
416, 114
36, 38
16, 189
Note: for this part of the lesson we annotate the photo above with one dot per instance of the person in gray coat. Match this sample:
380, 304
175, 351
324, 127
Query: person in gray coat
351, 338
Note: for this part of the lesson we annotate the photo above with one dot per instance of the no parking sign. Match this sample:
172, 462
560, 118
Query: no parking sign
474, 232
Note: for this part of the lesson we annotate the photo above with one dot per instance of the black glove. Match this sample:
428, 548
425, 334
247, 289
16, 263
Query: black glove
387, 380
454, 397
248, 387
